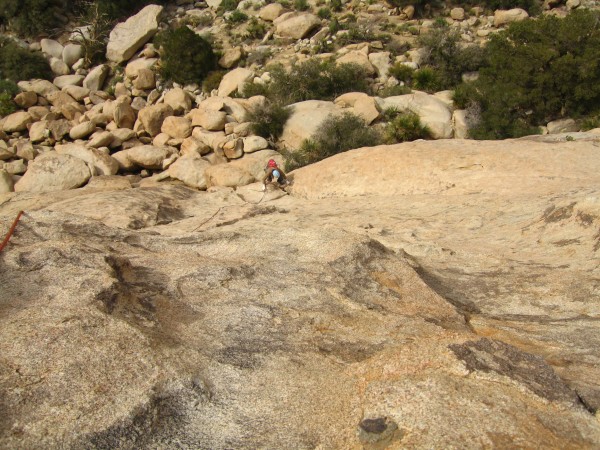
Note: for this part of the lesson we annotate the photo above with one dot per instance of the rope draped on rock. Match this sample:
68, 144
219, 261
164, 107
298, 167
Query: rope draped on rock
11, 231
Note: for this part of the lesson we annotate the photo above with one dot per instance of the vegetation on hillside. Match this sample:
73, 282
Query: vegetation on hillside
534, 72
17, 63
185, 57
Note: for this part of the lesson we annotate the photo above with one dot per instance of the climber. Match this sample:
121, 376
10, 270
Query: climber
274, 175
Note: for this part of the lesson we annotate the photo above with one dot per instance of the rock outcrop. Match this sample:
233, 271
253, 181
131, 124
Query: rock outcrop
443, 297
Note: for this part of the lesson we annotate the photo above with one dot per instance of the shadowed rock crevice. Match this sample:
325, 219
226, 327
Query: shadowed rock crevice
488, 355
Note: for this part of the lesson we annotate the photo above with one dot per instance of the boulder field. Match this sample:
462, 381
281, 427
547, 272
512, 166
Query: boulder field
432, 294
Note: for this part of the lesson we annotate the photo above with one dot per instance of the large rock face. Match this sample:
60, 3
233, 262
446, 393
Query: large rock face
129, 36
423, 295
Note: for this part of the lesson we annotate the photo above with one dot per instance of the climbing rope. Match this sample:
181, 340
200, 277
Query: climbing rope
11, 231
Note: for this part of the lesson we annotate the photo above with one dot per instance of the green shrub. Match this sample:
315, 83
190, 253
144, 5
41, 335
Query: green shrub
269, 119
315, 79
228, 5
402, 72
236, 16
393, 91
324, 13
337, 134
255, 29
8, 89
405, 127
212, 80
301, 5
533, 7
447, 57
428, 79
34, 17
185, 56
357, 34
538, 71
336, 5
18, 64
590, 122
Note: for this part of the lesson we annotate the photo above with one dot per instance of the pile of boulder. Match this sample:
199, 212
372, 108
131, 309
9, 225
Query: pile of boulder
118, 117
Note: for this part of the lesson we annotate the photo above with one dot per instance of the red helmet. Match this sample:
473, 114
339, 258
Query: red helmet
271, 163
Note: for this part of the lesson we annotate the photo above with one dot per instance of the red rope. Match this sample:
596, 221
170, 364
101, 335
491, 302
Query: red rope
10, 232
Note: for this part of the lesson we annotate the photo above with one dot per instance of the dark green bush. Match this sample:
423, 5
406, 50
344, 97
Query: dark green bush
336, 5
406, 127
212, 80
269, 119
337, 134
393, 91
324, 13
402, 72
228, 5
428, 79
255, 29
18, 64
8, 89
315, 79
185, 57
237, 16
447, 57
33, 17
538, 71
301, 5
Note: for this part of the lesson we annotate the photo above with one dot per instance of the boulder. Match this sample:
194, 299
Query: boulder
233, 149
95, 79
59, 128
59, 99
16, 167
71, 54
305, 119
296, 25
40, 87
362, 105
231, 57
457, 13
99, 162
25, 150
255, 163
6, 182
17, 121
381, 62
39, 131
148, 156
145, 80
227, 175
194, 146
77, 92
562, 126
133, 67
208, 119
460, 124
504, 17
179, 100
63, 81
5, 151
360, 58
190, 169
101, 139
58, 67
152, 117
26, 99
271, 12
177, 127
82, 130
123, 113
254, 143
128, 37
433, 112
214, 139
54, 172
52, 48
234, 81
